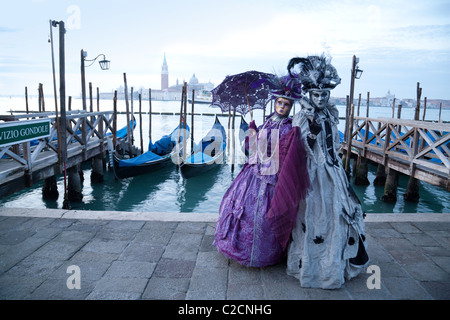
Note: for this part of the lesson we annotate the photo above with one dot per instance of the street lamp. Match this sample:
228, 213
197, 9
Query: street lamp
358, 73
104, 64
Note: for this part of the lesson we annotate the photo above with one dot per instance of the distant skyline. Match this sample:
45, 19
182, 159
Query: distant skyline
399, 43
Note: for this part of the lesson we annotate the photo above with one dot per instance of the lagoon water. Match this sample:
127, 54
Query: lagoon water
168, 191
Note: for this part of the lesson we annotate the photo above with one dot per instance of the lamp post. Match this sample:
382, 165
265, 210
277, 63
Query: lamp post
104, 65
62, 87
356, 74
62, 146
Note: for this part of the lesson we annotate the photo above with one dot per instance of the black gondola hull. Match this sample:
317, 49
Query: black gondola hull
144, 168
189, 170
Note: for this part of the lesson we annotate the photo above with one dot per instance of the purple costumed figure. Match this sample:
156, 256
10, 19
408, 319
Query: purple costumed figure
259, 210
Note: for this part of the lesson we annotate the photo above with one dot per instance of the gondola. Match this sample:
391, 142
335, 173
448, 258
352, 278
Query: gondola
208, 154
159, 155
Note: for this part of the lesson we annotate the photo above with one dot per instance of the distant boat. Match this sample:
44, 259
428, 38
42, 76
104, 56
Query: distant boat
204, 97
208, 154
159, 155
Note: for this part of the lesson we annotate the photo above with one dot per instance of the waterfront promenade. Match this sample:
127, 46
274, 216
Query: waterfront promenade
75, 255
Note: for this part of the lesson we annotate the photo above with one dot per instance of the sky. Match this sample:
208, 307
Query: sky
398, 43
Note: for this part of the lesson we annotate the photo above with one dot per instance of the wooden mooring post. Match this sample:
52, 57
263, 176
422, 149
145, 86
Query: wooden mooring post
98, 162
361, 168
412, 190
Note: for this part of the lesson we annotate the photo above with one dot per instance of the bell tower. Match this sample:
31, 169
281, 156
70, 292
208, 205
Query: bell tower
164, 74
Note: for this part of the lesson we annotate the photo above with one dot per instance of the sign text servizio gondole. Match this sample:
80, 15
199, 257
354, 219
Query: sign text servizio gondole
22, 131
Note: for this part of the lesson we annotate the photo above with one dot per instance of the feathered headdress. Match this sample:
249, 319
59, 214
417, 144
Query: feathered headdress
316, 72
288, 87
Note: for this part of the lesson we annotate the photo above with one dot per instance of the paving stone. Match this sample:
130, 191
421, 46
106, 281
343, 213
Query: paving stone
34, 267
243, 275
408, 257
75, 236
124, 225
207, 243
438, 290
183, 251
154, 236
278, 285
170, 268
208, 283
385, 233
240, 291
18, 287
335, 294
56, 289
166, 288
120, 234
405, 227
113, 295
136, 285
90, 256
432, 226
105, 246
87, 225
211, 259
191, 227
57, 250
130, 269
142, 252
427, 271
406, 289
443, 262
390, 244
15, 237
420, 239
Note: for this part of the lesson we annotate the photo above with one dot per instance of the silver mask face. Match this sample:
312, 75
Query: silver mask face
319, 98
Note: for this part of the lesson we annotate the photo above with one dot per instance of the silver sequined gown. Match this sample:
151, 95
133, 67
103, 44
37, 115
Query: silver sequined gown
328, 242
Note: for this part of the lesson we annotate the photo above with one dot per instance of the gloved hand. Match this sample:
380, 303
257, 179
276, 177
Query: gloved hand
315, 126
252, 125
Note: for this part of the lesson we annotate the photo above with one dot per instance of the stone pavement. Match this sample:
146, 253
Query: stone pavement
139, 256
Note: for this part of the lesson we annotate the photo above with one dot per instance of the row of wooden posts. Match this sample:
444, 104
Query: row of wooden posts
386, 177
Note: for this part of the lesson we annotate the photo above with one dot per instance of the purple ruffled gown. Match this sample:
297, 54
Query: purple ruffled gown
254, 227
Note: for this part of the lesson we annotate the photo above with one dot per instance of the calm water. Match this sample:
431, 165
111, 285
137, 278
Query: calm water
168, 191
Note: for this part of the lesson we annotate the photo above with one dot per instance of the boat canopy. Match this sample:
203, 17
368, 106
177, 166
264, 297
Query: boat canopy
199, 157
143, 158
166, 144
212, 143
157, 150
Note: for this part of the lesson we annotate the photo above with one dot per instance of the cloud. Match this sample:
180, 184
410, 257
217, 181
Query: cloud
8, 30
